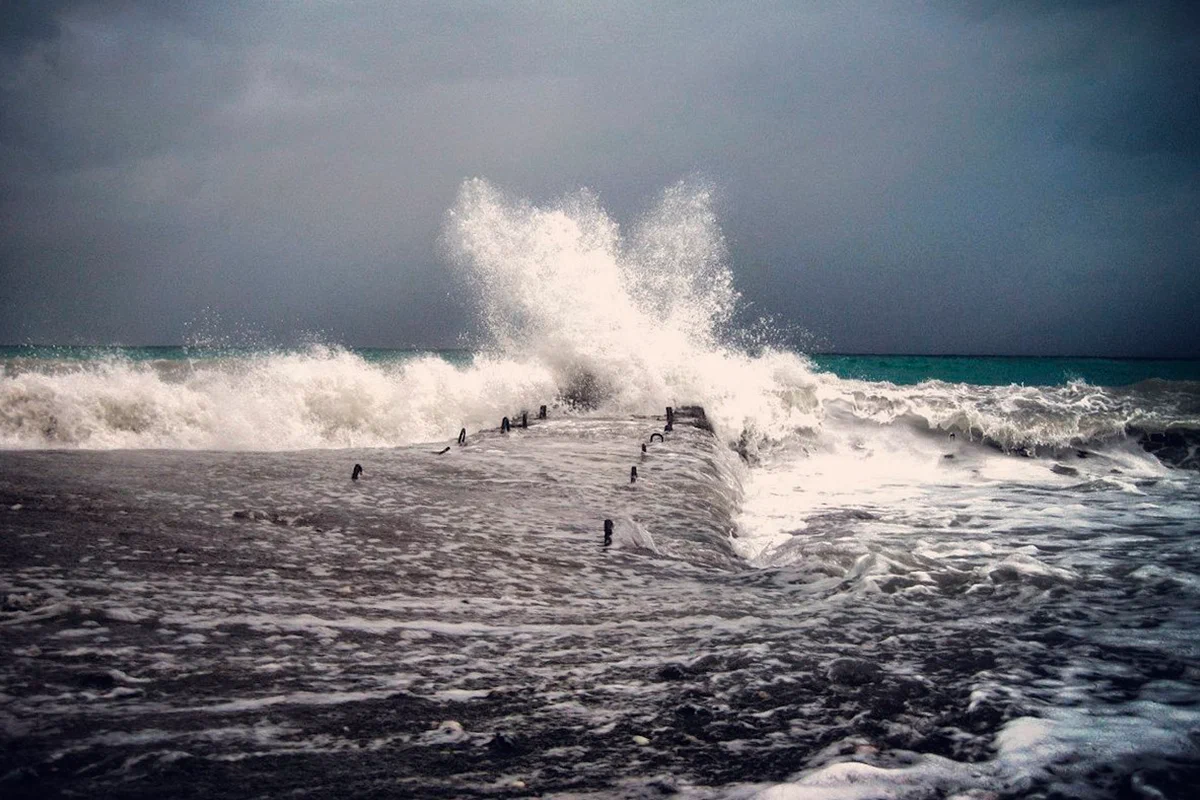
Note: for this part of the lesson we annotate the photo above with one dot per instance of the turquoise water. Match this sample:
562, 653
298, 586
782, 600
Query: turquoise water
1005, 370
898, 369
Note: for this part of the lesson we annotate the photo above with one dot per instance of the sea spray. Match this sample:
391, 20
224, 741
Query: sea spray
319, 397
627, 324
560, 286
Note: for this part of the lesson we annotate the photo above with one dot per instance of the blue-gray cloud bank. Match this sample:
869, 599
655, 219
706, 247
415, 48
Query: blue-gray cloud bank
1008, 178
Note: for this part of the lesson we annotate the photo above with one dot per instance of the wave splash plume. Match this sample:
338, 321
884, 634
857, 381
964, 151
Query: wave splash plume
616, 319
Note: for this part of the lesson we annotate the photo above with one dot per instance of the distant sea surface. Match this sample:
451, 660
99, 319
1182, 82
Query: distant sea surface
1004, 370
897, 369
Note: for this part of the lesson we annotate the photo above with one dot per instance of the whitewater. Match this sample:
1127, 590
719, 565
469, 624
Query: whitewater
819, 586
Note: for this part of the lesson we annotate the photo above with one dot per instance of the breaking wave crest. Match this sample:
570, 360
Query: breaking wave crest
1033, 420
320, 397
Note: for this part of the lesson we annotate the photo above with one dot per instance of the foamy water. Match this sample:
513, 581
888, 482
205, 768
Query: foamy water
851, 589
330, 397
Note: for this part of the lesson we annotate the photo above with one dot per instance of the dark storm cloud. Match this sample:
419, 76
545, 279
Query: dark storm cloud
28, 21
1128, 69
991, 177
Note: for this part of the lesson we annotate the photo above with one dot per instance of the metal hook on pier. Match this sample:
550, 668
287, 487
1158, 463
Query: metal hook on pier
462, 437
633, 474
356, 472
608, 532
659, 435
542, 412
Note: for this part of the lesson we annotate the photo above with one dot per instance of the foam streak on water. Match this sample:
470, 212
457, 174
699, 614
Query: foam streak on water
213, 620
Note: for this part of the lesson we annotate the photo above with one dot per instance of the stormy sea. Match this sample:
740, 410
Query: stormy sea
826, 576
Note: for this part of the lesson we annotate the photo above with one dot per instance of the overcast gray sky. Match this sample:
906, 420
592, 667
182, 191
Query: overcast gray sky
940, 177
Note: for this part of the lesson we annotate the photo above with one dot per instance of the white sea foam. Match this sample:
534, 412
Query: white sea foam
1072, 741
